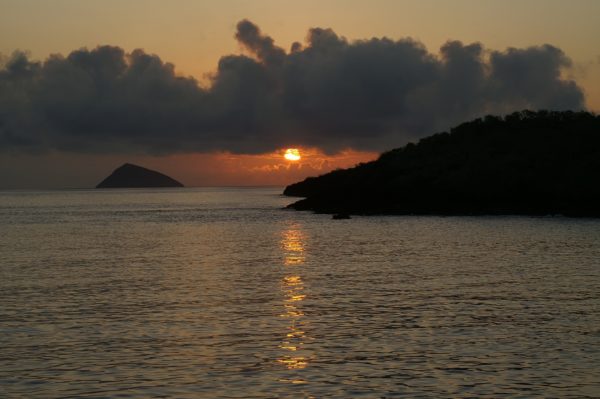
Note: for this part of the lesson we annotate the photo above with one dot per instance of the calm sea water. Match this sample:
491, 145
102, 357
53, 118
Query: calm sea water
206, 293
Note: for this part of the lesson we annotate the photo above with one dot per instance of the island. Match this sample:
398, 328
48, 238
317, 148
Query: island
133, 176
525, 163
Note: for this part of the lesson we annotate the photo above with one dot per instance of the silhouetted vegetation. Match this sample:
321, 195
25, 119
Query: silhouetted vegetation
535, 163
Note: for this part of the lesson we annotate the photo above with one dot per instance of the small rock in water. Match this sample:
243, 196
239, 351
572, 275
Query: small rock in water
341, 216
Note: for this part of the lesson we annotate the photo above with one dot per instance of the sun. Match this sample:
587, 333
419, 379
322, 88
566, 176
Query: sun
292, 154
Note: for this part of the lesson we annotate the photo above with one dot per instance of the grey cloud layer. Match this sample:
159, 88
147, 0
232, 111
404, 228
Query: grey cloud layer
328, 92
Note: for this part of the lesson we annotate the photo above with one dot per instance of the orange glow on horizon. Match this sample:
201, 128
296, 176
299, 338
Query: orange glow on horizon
228, 169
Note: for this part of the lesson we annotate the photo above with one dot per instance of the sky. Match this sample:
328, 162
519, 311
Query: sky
213, 92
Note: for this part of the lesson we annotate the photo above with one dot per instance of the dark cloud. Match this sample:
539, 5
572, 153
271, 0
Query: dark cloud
328, 92
250, 36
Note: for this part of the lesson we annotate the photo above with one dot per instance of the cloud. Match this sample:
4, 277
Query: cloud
329, 93
250, 36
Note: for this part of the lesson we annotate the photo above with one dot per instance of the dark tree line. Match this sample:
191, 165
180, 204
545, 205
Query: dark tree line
528, 162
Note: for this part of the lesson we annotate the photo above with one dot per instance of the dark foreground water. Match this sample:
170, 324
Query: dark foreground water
207, 293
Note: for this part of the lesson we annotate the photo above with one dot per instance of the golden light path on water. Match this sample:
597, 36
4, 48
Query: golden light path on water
294, 355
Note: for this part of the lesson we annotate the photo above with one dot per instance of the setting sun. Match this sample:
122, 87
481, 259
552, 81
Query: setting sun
292, 154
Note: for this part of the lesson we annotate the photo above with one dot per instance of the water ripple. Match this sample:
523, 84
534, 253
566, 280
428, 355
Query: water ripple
219, 293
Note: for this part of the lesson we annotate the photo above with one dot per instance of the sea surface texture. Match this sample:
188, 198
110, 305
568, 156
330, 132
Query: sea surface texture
220, 293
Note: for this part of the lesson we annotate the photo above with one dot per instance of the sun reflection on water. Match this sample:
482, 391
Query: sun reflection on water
293, 246
292, 286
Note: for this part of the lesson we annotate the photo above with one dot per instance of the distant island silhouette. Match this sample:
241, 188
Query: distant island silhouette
133, 176
528, 163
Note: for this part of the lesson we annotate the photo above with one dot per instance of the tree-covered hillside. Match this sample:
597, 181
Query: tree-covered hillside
527, 162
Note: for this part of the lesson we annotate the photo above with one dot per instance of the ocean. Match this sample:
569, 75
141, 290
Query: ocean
222, 293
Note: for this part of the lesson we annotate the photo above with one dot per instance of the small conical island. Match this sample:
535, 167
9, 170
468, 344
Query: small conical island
133, 176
